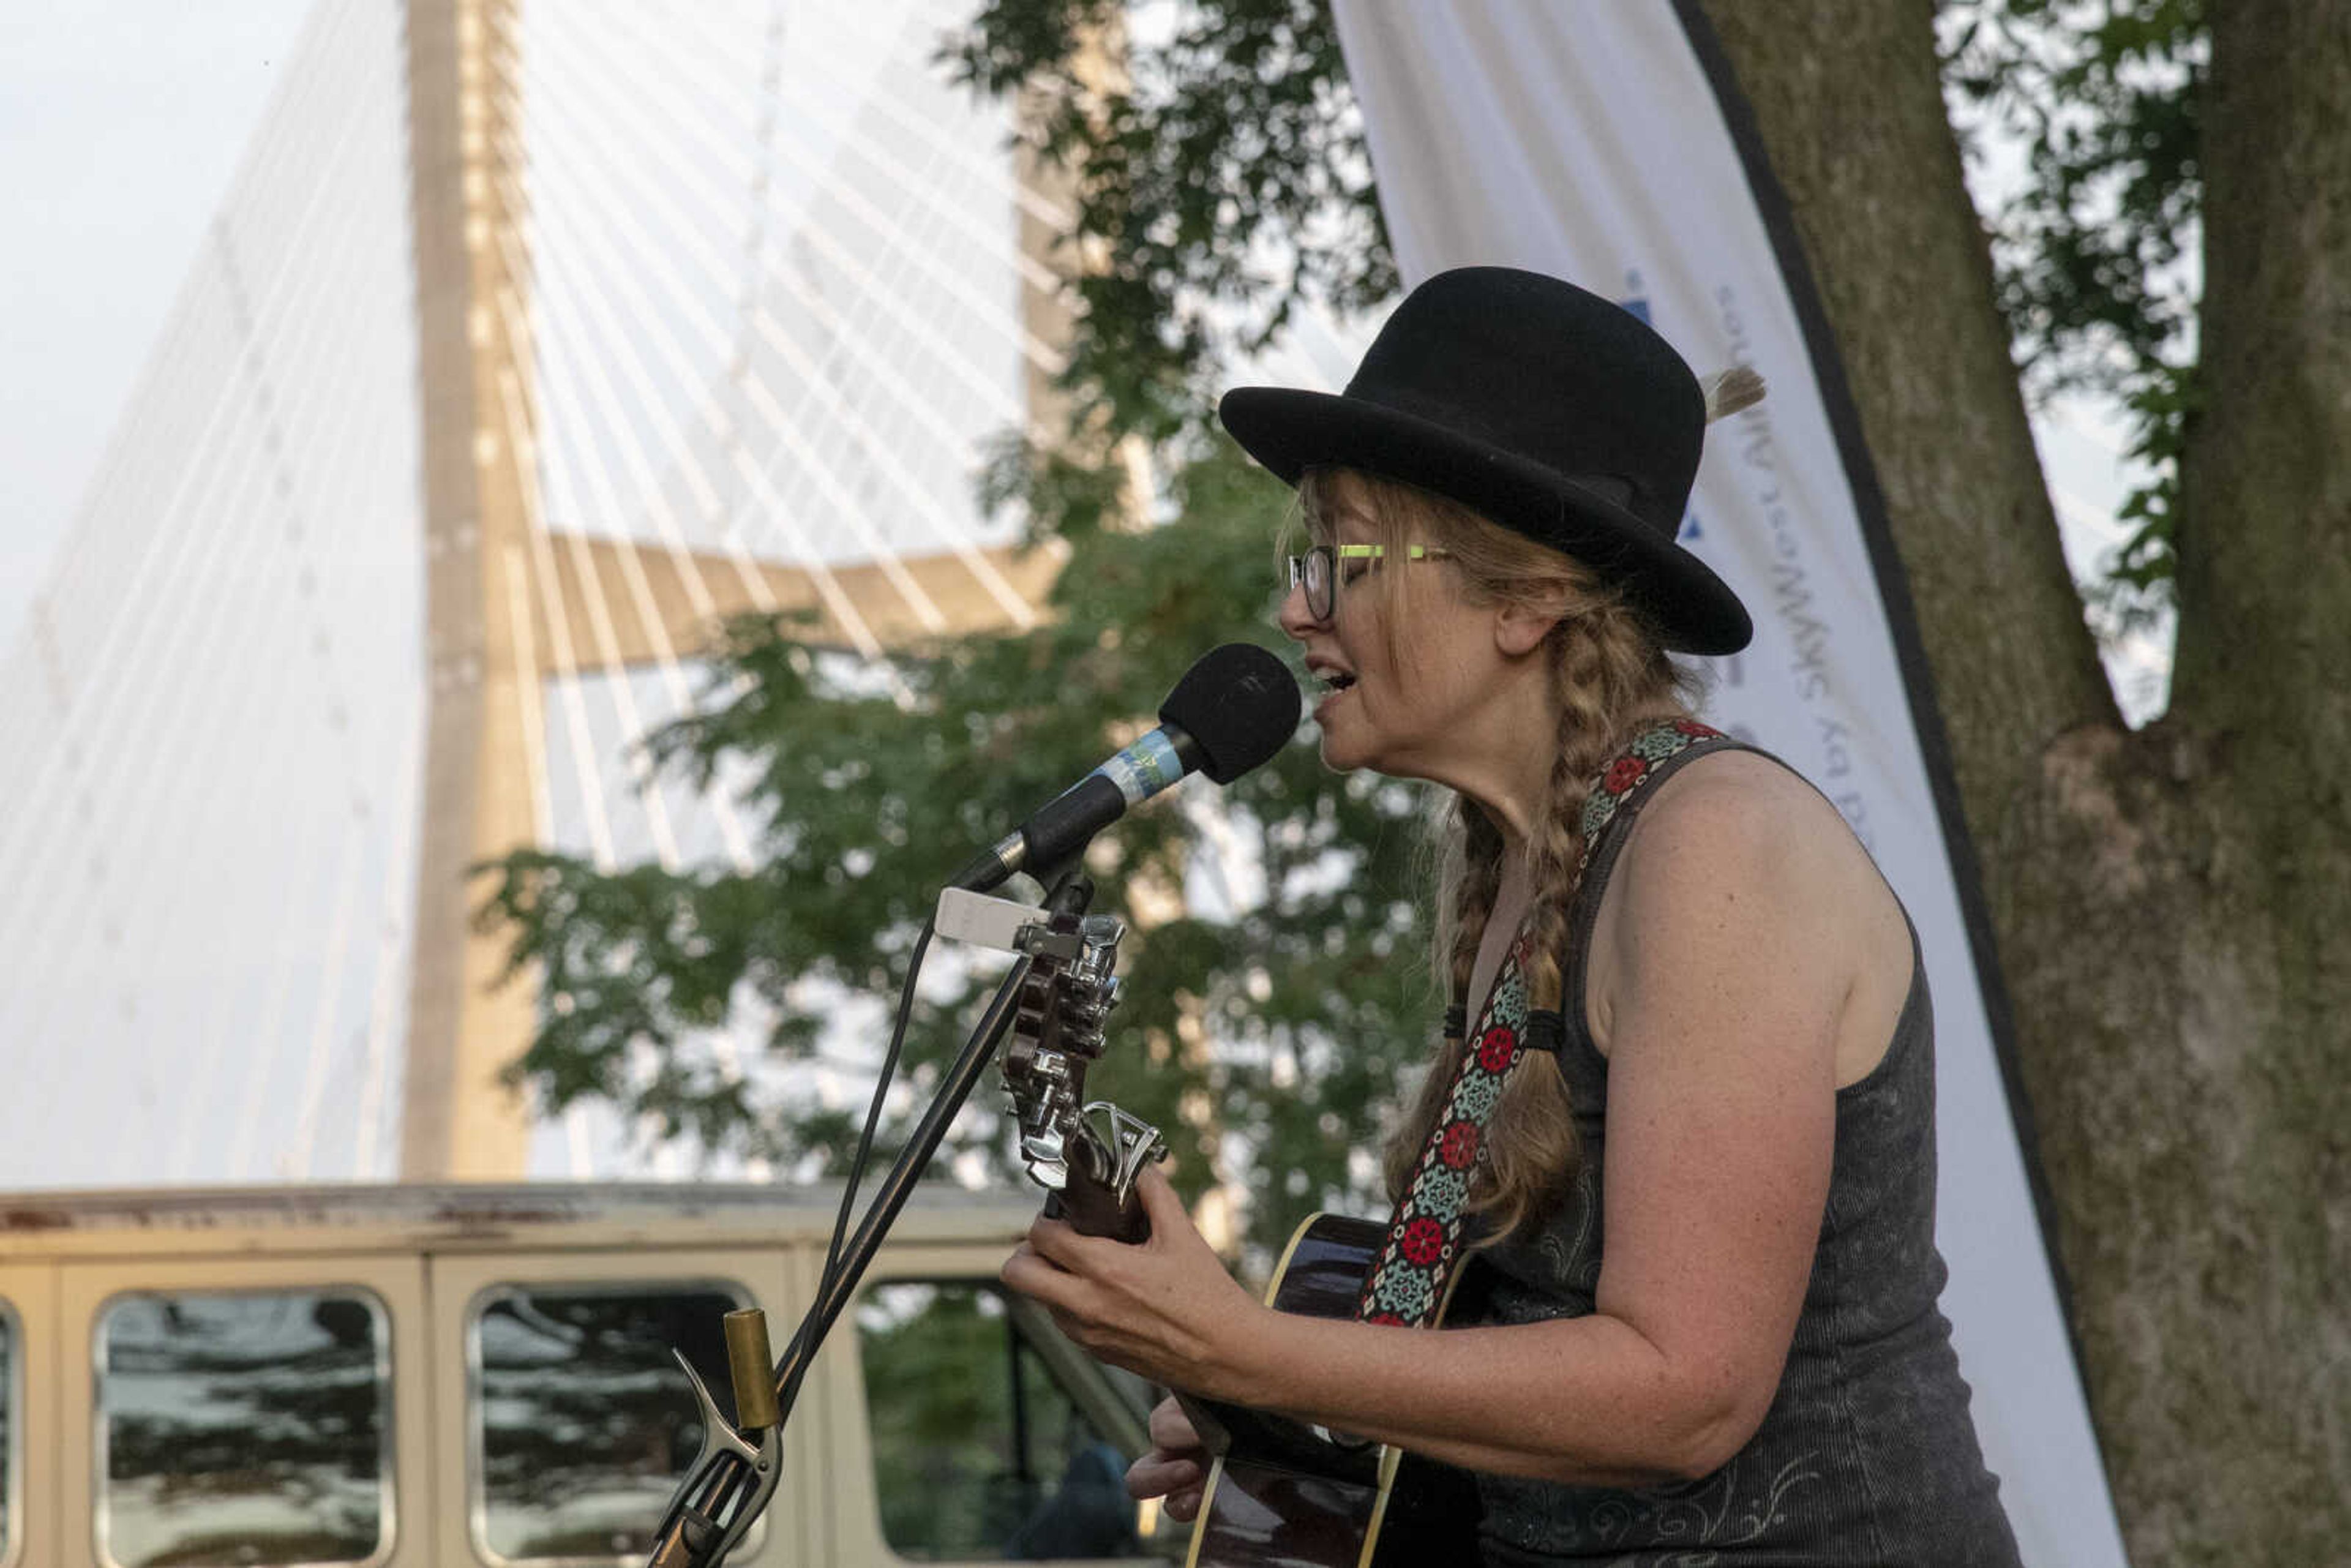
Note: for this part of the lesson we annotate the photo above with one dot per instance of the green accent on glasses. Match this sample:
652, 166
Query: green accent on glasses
1318, 570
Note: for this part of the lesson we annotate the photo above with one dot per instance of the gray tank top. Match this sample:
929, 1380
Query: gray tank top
1867, 1456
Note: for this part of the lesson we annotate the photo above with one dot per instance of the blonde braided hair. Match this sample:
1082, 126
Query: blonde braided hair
1611, 677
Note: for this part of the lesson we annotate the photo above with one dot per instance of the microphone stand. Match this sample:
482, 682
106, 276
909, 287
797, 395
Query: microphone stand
736, 1474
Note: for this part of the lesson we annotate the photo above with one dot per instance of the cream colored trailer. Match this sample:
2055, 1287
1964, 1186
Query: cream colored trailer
476, 1376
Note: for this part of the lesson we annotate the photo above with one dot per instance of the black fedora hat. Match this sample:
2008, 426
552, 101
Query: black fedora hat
1552, 411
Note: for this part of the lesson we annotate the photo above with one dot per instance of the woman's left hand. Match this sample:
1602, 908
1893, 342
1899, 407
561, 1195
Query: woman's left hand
1164, 1309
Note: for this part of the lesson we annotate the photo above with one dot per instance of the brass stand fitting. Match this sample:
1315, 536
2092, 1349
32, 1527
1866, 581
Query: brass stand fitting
753, 1369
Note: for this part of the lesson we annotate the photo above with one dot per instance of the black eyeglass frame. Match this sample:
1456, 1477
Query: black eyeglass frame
1318, 570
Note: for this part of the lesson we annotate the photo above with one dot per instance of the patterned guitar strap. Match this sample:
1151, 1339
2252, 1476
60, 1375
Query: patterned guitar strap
1407, 1285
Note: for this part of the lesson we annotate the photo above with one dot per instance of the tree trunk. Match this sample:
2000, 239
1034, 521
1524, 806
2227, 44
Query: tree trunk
2171, 907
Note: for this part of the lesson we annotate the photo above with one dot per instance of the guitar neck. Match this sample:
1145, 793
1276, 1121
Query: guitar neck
1093, 1206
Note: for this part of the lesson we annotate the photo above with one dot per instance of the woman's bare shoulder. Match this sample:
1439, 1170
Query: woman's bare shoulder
1740, 803
1736, 843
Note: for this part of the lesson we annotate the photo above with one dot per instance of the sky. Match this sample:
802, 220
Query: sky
122, 124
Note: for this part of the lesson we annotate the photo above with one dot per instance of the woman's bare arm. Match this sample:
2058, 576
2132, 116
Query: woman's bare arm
1727, 975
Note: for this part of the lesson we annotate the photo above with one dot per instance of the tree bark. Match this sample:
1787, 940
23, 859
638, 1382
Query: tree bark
2169, 906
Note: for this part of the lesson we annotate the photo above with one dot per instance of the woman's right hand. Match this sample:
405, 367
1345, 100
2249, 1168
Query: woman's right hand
1177, 1468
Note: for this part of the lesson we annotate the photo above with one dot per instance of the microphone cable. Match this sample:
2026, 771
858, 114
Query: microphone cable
828, 1275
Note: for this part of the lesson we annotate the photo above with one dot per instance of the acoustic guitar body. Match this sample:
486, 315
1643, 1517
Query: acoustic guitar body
1282, 1495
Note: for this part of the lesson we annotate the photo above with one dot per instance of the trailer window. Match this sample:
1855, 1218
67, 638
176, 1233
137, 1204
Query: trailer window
581, 1422
994, 1437
244, 1427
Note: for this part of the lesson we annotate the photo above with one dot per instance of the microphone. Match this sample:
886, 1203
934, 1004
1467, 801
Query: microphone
1230, 711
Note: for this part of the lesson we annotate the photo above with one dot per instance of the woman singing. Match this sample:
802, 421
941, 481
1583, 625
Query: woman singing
1678, 1136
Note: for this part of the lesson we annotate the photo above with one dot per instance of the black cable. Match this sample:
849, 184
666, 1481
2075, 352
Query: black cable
789, 1392
722, 1492
873, 1110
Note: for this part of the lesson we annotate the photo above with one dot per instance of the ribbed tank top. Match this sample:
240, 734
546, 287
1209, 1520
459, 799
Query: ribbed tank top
1867, 1455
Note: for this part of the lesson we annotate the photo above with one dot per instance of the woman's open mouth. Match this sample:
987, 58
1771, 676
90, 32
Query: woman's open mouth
1335, 685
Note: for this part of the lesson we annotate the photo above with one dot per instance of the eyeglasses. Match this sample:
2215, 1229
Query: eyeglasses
1318, 571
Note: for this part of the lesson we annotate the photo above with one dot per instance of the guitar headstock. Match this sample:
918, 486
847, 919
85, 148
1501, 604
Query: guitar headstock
1056, 1034
1086, 1155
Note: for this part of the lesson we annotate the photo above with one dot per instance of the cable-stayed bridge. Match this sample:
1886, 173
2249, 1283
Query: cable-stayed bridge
530, 342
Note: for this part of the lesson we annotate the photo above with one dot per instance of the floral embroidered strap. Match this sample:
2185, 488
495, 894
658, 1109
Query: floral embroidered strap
1406, 1282
1622, 779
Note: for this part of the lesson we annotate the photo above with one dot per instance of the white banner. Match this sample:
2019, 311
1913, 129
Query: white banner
1583, 138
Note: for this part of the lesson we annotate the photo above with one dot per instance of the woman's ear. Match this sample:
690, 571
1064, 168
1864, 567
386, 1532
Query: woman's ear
1520, 625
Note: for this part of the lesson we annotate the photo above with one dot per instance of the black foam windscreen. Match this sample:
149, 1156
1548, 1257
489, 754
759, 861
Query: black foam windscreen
1238, 703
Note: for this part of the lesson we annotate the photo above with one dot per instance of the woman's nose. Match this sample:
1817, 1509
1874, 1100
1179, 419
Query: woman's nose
1295, 619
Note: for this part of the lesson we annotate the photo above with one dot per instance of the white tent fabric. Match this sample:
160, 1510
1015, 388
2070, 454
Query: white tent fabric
1585, 139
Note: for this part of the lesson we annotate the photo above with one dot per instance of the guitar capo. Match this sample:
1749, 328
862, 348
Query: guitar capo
1127, 1140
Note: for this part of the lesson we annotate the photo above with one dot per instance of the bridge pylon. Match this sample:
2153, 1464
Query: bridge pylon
495, 576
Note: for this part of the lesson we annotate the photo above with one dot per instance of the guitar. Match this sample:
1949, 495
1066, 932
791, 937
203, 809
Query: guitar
1280, 1494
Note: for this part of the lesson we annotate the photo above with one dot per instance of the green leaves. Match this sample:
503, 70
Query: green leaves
1252, 1020
2097, 256
1222, 169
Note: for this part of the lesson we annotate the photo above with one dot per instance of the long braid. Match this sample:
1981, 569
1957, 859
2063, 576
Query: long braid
1610, 676
1532, 1140
1479, 884
1532, 1145
1472, 870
